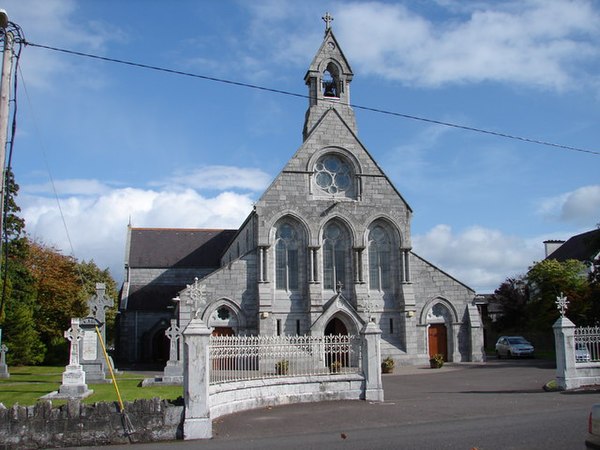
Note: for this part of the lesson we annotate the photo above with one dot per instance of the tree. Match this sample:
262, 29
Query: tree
42, 289
17, 302
549, 279
59, 296
513, 297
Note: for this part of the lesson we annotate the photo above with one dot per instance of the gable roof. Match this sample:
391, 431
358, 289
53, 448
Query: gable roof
325, 53
176, 247
582, 247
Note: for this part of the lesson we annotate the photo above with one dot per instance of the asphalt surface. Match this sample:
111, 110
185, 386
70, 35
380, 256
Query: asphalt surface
493, 405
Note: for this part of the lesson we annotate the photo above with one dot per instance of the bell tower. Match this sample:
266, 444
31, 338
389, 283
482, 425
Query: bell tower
328, 79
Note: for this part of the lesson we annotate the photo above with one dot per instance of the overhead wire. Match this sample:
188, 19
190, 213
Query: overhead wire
51, 179
295, 94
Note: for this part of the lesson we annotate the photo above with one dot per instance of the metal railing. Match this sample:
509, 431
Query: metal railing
587, 344
241, 358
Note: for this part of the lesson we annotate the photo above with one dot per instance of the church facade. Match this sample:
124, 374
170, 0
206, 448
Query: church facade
326, 248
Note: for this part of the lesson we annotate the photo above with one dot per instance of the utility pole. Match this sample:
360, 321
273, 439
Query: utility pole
4, 111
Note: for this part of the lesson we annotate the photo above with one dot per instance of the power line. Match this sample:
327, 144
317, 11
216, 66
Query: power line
293, 94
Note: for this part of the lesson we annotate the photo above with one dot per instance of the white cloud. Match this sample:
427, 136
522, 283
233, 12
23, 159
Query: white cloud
536, 43
97, 224
68, 187
220, 177
581, 206
480, 257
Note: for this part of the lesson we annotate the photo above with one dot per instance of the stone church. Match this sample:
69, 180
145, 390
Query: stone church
326, 248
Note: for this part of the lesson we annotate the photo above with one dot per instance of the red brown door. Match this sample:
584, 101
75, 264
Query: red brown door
223, 331
438, 340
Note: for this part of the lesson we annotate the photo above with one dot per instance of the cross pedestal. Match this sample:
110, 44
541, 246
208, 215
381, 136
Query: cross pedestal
3, 367
73, 378
173, 372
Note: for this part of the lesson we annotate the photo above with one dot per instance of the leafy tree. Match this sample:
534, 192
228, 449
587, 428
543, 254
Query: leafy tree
549, 279
17, 303
513, 297
58, 295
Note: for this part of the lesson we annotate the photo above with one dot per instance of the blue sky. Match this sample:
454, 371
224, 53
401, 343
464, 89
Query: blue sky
124, 144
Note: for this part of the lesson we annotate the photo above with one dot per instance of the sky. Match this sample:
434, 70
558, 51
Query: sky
101, 145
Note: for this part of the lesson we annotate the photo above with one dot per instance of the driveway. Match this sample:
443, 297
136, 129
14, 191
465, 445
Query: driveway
494, 405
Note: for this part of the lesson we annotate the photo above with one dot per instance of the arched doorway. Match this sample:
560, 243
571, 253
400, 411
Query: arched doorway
439, 319
335, 327
337, 354
438, 341
224, 321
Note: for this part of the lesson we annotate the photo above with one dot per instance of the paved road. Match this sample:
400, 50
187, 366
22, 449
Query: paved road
496, 405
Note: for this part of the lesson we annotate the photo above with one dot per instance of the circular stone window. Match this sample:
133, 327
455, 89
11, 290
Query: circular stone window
223, 313
333, 175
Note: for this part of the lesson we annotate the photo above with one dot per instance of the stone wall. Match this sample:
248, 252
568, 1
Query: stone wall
229, 398
76, 424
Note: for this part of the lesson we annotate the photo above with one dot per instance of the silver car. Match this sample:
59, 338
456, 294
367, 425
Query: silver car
582, 354
509, 346
593, 438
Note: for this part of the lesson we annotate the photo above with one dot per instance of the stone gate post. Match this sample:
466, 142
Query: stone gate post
197, 423
371, 362
564, 340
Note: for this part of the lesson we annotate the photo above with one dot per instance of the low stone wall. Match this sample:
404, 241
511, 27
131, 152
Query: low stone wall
228, 398
76, 424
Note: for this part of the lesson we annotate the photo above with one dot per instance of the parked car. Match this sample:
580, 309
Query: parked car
582, 353
593, 439
509, 346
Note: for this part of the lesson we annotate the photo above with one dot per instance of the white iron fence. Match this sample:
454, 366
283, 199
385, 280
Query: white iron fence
240, 358
587, 344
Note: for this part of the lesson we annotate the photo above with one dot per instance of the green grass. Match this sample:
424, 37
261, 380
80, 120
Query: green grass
28, 383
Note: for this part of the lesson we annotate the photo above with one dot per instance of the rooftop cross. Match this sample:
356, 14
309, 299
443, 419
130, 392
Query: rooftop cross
327, 18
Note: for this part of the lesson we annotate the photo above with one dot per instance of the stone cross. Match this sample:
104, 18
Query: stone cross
174, 335
74, 335
197, 297
3, 350
99, 302
327, 18
561, 304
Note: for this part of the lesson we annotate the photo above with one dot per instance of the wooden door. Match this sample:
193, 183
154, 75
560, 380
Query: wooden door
223, 331
438, 340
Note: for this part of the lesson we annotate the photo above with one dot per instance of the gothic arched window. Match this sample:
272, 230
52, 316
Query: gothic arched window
286, 258
336, 248
379, 259
330, 88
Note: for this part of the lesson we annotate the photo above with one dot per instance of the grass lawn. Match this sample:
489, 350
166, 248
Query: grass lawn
28, 383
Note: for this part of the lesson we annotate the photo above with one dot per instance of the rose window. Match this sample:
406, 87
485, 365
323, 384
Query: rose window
333, 175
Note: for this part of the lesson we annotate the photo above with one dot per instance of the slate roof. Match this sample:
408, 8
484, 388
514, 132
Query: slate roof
177, 248
152, 297
172, 248
582, 247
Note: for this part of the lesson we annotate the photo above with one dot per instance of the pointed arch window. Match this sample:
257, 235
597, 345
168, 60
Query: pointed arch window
379, 259
330, 81
286, 258
336, 248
